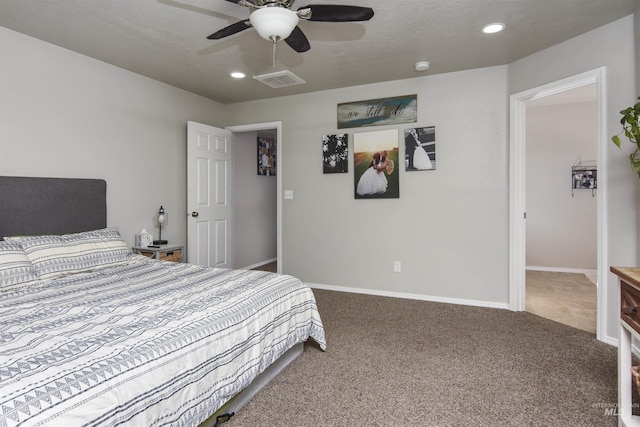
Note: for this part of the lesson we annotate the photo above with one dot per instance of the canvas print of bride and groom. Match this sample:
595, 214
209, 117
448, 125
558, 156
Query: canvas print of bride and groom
375, 156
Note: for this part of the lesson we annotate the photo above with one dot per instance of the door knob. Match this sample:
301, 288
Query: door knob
194, 214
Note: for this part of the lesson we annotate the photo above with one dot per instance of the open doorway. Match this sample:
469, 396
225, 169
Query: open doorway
517, 187
561, 195
255, 199
246, 136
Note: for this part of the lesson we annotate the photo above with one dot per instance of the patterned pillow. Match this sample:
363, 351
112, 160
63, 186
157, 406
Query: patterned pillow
55, 256
15, 267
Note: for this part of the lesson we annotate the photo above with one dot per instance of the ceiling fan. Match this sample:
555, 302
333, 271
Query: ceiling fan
274, 20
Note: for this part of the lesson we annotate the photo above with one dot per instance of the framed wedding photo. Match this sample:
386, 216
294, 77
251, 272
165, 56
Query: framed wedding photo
420, 149
375, 156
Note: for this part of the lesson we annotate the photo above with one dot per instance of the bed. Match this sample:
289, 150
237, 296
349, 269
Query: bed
91, 334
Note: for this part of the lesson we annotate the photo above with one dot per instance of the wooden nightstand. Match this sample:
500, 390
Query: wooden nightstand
164, 252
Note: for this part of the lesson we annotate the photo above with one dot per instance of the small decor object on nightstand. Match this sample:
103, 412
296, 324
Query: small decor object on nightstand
144, 239
162, 219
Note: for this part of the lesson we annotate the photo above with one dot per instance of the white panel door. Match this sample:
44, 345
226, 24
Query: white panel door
209, 227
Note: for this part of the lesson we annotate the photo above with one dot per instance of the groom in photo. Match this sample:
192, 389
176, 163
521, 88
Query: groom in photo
409, 149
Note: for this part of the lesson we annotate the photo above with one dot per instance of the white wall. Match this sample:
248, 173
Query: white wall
449, 226
66, 115
611, 46
561, 224
255, 204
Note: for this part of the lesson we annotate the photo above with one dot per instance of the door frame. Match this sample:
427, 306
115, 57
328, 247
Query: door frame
517, 189
278, 127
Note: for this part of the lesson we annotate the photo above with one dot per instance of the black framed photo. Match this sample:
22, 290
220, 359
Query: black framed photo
420, 149
266, 156
335, 153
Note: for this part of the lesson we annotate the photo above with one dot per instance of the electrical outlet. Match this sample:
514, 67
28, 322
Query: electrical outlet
397, 266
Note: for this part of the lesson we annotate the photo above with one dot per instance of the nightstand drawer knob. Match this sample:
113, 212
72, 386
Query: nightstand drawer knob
194, 214
630, 310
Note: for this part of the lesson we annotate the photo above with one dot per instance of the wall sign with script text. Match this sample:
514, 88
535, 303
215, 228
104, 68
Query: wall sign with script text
383, 111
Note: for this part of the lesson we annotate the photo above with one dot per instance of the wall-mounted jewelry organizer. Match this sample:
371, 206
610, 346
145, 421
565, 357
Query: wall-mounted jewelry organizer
584, 176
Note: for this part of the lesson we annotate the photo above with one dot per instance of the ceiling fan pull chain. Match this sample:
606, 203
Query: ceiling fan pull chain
274, 52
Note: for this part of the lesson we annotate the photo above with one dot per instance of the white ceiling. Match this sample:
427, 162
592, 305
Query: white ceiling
166, 39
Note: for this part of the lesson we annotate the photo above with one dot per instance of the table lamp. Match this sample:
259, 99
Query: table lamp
162, 219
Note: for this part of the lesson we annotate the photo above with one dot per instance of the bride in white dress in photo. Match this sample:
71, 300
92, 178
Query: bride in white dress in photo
373, 180
420, 160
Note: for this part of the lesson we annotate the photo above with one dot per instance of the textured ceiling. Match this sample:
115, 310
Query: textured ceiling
166, 39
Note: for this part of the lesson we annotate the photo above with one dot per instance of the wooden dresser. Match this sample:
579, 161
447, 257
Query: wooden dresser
629, 329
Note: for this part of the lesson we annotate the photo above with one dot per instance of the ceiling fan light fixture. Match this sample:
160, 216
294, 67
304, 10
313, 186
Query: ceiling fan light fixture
274, 23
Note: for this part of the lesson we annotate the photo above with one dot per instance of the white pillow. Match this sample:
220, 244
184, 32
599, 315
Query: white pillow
55, 256
15, 267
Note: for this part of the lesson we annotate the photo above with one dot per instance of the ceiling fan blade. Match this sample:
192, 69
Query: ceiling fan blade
338, 13
248, 3
230, 30
298, 41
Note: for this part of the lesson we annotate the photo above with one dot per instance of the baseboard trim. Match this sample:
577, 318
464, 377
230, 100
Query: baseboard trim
420, 297
562, 270
260, 264
613, 341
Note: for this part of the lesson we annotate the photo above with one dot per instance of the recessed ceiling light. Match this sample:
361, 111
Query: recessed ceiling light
237, 75
496, 27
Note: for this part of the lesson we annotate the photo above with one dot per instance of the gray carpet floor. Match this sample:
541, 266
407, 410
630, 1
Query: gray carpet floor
396, 362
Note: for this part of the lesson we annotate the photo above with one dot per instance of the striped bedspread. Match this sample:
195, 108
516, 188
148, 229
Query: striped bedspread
147, 343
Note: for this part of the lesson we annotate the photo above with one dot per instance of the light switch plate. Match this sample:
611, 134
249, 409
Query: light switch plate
288, 194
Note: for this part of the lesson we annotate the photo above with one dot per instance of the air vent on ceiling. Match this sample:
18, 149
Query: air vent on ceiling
279, 79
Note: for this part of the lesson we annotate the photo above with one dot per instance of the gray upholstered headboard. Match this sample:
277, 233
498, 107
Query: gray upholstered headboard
37, 206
